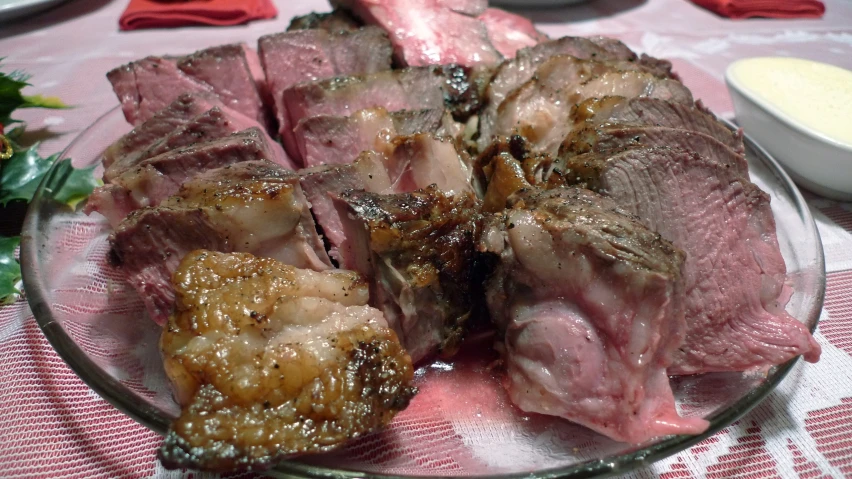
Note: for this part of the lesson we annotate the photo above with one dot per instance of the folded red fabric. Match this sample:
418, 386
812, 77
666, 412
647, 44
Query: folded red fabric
764, 8
164, 13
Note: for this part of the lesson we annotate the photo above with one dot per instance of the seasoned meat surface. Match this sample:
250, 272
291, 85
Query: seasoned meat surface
254, 207
155, 179
656, 112
417, 251
541, 109
590, 306
612, 137
734, 272
270, 361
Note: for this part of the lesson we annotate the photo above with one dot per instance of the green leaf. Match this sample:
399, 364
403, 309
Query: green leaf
10, 270
21, 174
11, 98
71, 185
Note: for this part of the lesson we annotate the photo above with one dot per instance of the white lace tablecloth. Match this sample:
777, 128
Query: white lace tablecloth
53, 425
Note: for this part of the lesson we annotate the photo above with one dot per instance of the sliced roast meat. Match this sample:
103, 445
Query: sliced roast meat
430, 32
226, 69
322, 183
327, 139
215, 123
174, 116
401, 165
149, 85
540, 110
610, 138
657, 66
270, 361
655, 112
335, 21
255, 207
590, 306
425, 88
417, 251
513, 73
509, 32
308, 55
157, 178
734, 272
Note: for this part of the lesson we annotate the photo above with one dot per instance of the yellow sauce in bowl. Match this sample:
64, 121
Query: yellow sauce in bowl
815, 95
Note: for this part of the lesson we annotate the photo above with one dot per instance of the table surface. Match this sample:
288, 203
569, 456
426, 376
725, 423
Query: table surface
52, 425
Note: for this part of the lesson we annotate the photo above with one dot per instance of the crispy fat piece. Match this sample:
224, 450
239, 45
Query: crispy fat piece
270, 361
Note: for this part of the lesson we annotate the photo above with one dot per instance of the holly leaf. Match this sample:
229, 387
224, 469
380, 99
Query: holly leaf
21, 174
71, 185
10, 270
11, 98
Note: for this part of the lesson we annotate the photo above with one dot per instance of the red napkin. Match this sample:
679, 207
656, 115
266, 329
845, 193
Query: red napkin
171, 13
764, 8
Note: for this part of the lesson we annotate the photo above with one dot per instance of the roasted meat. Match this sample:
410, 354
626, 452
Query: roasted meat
256, 207
590, 305
270, 361
335, 21
734, 272
300, 56
417, 251
509, 32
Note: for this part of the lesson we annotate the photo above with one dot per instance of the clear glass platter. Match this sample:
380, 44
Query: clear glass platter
460, 424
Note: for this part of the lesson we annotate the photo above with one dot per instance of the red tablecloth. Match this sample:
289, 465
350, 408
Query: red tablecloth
53, 425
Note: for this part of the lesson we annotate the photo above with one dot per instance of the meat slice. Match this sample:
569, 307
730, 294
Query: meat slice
255, 207
326, 139
515, 72
425, 88
177, 114
157, 178
655, 112
213, 124
509, 32
402, 165
416, 249
149, 85
430, 32
271, 361
540, 109
226, 69
335, 21
610, 138
590, 306
734, 272
308, 55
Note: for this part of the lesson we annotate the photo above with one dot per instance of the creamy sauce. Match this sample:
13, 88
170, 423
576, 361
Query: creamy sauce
816, 95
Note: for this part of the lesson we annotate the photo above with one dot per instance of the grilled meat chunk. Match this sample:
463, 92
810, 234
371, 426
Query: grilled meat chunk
734, 272
328, 139
509, 32
270, 361
155, 179
255, 206
540, 110
611, 138
416, 249
300, 56
655, 112
590, 306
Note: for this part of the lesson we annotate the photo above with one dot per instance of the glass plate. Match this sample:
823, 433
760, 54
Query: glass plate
460, 424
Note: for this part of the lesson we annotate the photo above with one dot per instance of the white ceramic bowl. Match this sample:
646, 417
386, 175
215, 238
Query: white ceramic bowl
813, 160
